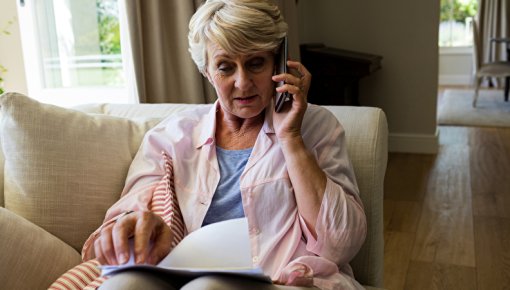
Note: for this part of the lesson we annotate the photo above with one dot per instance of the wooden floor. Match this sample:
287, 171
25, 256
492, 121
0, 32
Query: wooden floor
447, 216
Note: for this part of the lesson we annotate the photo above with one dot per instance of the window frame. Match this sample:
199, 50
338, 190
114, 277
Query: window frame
73, 96
456, 50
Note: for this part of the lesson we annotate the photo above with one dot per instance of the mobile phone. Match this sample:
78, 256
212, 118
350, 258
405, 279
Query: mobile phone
281, 67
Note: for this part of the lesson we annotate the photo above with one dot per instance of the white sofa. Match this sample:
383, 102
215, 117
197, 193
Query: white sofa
60, 169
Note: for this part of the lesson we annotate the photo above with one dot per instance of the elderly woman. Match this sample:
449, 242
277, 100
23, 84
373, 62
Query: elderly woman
288, 173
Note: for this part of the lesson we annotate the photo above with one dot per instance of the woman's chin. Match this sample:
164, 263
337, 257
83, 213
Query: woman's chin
248, 112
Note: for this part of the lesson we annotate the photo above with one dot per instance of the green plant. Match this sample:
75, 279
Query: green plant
458, 10
3, 70
109, 31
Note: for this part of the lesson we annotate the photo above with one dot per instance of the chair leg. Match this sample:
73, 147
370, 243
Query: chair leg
477, 88
507, 88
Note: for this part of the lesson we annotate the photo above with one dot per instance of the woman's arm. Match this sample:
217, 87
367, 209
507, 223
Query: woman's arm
339, 227
109, 244
308, 179
321, 174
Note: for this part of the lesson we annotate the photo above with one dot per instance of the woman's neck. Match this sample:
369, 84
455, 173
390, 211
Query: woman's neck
236, 133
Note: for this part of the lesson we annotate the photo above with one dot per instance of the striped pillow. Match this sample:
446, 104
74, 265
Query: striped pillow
87, 275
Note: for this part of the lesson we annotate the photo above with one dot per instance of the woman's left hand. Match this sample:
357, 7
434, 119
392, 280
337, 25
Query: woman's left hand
287, 122
307, 177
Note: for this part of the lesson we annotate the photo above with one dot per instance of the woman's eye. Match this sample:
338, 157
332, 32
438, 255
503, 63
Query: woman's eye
256, 64
224, 68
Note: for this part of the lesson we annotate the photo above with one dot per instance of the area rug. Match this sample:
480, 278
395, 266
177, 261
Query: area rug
455, 108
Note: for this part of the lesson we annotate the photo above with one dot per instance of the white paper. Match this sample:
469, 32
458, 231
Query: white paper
222, 247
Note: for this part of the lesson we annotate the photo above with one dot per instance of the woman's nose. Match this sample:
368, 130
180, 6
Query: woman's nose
243, 79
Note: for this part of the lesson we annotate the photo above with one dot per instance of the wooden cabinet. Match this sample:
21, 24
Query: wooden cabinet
336, 73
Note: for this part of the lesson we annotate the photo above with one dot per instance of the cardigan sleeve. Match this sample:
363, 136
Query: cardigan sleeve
341, 222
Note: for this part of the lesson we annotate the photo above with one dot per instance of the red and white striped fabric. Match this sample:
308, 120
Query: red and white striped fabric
164, 202
87, 275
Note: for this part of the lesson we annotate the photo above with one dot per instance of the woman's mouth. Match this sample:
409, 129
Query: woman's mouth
245, 100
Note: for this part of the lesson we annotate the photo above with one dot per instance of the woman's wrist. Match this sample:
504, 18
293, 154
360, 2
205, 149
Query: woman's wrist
291, 141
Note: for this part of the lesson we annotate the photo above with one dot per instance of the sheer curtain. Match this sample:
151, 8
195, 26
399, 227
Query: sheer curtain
163, 71
494, 21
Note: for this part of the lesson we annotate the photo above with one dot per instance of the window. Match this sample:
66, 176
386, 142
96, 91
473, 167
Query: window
455, 27
73, 52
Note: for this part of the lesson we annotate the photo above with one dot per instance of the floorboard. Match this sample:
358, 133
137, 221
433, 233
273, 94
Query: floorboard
447, 216
493, 252
434, 276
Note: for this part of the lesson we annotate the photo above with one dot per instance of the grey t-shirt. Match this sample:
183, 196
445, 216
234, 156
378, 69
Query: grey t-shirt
227, 203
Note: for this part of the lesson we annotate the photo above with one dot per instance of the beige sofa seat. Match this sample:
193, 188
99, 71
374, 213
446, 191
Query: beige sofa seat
61, 169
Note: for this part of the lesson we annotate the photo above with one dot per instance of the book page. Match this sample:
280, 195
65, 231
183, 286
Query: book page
219, 245
219, 248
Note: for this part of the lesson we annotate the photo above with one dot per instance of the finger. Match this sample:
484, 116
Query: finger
299, 67
305, 76
162, 243
122, 231
144, 229
107, 246
292, 89
98, 251
278, 282
286, 78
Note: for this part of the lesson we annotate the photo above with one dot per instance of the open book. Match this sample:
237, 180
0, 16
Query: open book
219, 248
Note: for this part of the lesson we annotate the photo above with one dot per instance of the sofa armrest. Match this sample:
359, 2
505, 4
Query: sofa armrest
366, 130
31, 258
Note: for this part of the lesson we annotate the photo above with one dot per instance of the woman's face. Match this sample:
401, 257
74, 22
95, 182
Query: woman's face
243, 82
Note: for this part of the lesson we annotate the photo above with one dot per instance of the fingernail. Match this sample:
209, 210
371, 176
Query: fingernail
139, 259
123, 258
150, 260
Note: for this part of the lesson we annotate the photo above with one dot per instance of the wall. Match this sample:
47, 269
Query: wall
456, 66
11, 55
405, 33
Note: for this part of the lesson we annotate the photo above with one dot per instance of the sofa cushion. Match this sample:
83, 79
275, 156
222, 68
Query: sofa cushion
64, 162
31, 258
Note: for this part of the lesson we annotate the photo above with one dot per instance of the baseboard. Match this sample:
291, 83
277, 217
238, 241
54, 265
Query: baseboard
414, 143
455, 80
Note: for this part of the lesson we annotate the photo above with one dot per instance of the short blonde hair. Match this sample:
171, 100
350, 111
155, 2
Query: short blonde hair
237, 26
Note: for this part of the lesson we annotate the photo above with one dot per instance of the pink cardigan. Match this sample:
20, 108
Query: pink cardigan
282, 245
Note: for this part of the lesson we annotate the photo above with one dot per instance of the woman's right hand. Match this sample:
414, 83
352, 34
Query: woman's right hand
152, 239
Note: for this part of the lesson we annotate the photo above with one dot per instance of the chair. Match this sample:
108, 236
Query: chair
496, 69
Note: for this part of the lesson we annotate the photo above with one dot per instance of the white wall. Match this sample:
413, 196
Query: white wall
11, 55
405, 33
455, 66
